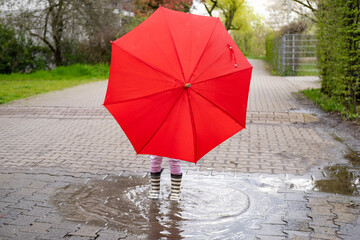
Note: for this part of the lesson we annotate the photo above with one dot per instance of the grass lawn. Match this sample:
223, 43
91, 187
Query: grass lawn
330, 104
17, 86
307, 70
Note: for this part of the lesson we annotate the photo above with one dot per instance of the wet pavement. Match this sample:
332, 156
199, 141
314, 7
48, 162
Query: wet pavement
68, 172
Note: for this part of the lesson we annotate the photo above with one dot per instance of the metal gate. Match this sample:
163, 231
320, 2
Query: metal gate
297, 54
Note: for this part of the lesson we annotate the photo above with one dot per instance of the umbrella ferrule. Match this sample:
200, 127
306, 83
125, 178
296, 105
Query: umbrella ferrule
187, 85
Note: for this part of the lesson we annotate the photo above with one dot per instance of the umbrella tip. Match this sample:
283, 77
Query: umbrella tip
187, 85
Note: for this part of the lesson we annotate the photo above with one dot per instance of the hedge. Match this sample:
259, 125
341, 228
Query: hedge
339, 51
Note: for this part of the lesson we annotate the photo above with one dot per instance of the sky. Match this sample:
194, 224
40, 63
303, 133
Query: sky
259, 7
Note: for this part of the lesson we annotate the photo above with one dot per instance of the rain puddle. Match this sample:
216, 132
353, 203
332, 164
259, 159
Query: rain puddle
341, 178
210, 208
302, 110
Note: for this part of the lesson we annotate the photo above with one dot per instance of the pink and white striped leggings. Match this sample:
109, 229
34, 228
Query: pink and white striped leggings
155, 165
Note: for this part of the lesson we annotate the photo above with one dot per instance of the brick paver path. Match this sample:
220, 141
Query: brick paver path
67, 137
71, 129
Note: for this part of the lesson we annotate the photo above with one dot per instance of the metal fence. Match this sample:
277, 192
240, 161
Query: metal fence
297, 54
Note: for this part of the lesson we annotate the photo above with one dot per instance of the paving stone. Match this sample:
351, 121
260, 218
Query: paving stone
38, 197
298, 235
271, 230
324, 231
77, 238
22, 220
320, 210
297, 225
107, 234
24, 204
10, 212
86, 231
3, 205
265, 237
324, 237
24, 235
345, 218
37, 227
298, 215
318, 202
12, 198
8, 230
276, 219
50, 236
296, 196
53, 218
322, 220
38, 211
25, 191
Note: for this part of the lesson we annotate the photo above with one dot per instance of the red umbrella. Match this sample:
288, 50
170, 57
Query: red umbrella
178, 85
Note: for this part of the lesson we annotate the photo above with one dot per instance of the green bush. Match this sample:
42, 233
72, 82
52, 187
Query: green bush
271, 50
339, 51
19, 54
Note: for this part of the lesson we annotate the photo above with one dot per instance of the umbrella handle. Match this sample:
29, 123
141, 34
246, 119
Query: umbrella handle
233, 54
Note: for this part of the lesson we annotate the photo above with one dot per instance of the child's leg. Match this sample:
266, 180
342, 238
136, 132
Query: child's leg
175, 166
155, 163
155, 173
176, 175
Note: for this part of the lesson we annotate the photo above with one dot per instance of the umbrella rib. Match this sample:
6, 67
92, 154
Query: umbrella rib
202, 54
155, 68
177, 53
193, 126
217, 106
146, 96
162, 123
210, 79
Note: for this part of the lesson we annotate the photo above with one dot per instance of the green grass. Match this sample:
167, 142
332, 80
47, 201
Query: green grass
307, 70
17, 85
330, 104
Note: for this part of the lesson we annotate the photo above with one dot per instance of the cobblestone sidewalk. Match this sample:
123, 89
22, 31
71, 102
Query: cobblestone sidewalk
66, 137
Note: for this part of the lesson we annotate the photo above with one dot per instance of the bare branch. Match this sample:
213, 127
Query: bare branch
307, 5
305, 15
212, 7
44, 40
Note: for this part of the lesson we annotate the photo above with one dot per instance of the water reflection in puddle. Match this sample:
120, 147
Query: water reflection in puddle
211, 208
341, 178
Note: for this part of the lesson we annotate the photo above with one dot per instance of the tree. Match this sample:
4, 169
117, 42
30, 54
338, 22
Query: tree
146, 7
251, 34
229, 10
311, 5
57, 22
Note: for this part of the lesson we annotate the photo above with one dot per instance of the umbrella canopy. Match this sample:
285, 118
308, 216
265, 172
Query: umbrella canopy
178, 85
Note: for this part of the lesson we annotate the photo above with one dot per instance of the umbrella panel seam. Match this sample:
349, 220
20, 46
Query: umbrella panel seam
148, 64
177, 53
211, 79
162, 123
202, 54
218, 107
193, 126
146, 96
